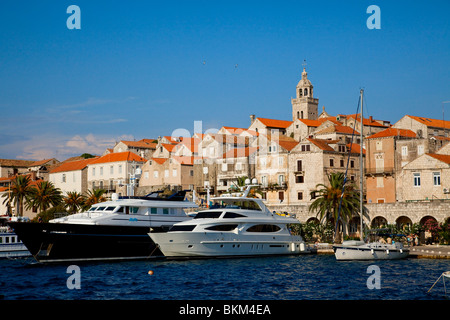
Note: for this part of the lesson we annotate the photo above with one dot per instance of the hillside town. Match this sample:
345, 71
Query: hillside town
404, 162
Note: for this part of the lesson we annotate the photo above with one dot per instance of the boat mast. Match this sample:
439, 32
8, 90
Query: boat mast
361, 169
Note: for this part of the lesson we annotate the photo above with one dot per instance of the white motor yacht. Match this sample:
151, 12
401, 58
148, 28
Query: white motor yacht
111, 230
235, 226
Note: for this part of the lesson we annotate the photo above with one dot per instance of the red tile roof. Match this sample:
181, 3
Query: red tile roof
441, 157
73, 165
431, 122
366, 121
119, 156
356, 148
393, 132
321, 143
144, 143
159, 160
273, 123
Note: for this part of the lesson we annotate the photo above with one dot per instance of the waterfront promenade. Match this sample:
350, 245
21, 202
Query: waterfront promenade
428, 251
431, 251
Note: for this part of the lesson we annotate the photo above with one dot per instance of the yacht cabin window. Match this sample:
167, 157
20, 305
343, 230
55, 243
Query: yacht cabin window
264, 228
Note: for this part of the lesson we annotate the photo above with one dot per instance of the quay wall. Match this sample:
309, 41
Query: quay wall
415, 211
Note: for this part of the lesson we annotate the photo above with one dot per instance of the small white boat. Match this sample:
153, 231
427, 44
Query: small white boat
359, 250
237, 226
10, 245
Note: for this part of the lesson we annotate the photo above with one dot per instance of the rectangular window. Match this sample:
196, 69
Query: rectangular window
63, 177
111, 169
166, 173
342, 163
299, 179
281, 195
153, 210
174, 172
436, 178
299, 165
331, 162
93, 171
101, 171
300, 195
416, 179
120, 168
165, 211
420, 150
404, 151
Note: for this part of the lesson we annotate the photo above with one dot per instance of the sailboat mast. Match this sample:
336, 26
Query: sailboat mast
361, 169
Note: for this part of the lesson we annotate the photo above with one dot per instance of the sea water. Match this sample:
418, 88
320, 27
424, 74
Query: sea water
305, 277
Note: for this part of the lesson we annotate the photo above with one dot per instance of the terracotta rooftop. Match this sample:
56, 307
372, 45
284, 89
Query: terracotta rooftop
73, 165
144, 143
159, 160
321, 143
393, 132
437, 123
441, 157
15, 163
119, 156
273, 123
338, 129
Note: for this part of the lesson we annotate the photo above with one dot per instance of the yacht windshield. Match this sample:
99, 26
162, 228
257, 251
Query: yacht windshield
236, 204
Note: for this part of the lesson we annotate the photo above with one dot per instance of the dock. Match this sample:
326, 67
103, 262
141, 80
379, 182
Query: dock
430, 251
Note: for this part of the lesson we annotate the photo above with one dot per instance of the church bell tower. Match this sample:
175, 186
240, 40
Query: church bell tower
304, 106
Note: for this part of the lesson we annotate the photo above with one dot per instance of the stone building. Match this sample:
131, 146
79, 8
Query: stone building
426, 178
272, 165
143, 148
115, 172
235, 163
424, 127
71, 176
383, 164
312, 160
175, 173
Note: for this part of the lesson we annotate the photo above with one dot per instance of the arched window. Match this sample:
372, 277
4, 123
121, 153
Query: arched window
306, 92
298, 115
300, 93
301, 115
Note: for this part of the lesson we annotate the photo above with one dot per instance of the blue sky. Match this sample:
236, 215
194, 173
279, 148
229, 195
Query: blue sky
142, 69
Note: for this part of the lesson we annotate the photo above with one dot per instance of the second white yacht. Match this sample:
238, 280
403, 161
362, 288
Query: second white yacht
235, 226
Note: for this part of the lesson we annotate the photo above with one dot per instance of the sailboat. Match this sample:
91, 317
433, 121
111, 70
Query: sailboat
362, 250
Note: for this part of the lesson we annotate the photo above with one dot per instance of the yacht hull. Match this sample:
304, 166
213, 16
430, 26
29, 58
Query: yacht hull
200, 244
365, 252
60, 242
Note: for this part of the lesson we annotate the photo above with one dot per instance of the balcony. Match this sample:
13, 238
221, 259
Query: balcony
385, 171
274, 186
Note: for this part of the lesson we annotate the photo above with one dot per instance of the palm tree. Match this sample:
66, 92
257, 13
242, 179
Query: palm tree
44, 195
73, 201
94, 196
335, 201
19, 192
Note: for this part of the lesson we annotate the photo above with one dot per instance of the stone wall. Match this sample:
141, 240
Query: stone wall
440, 210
